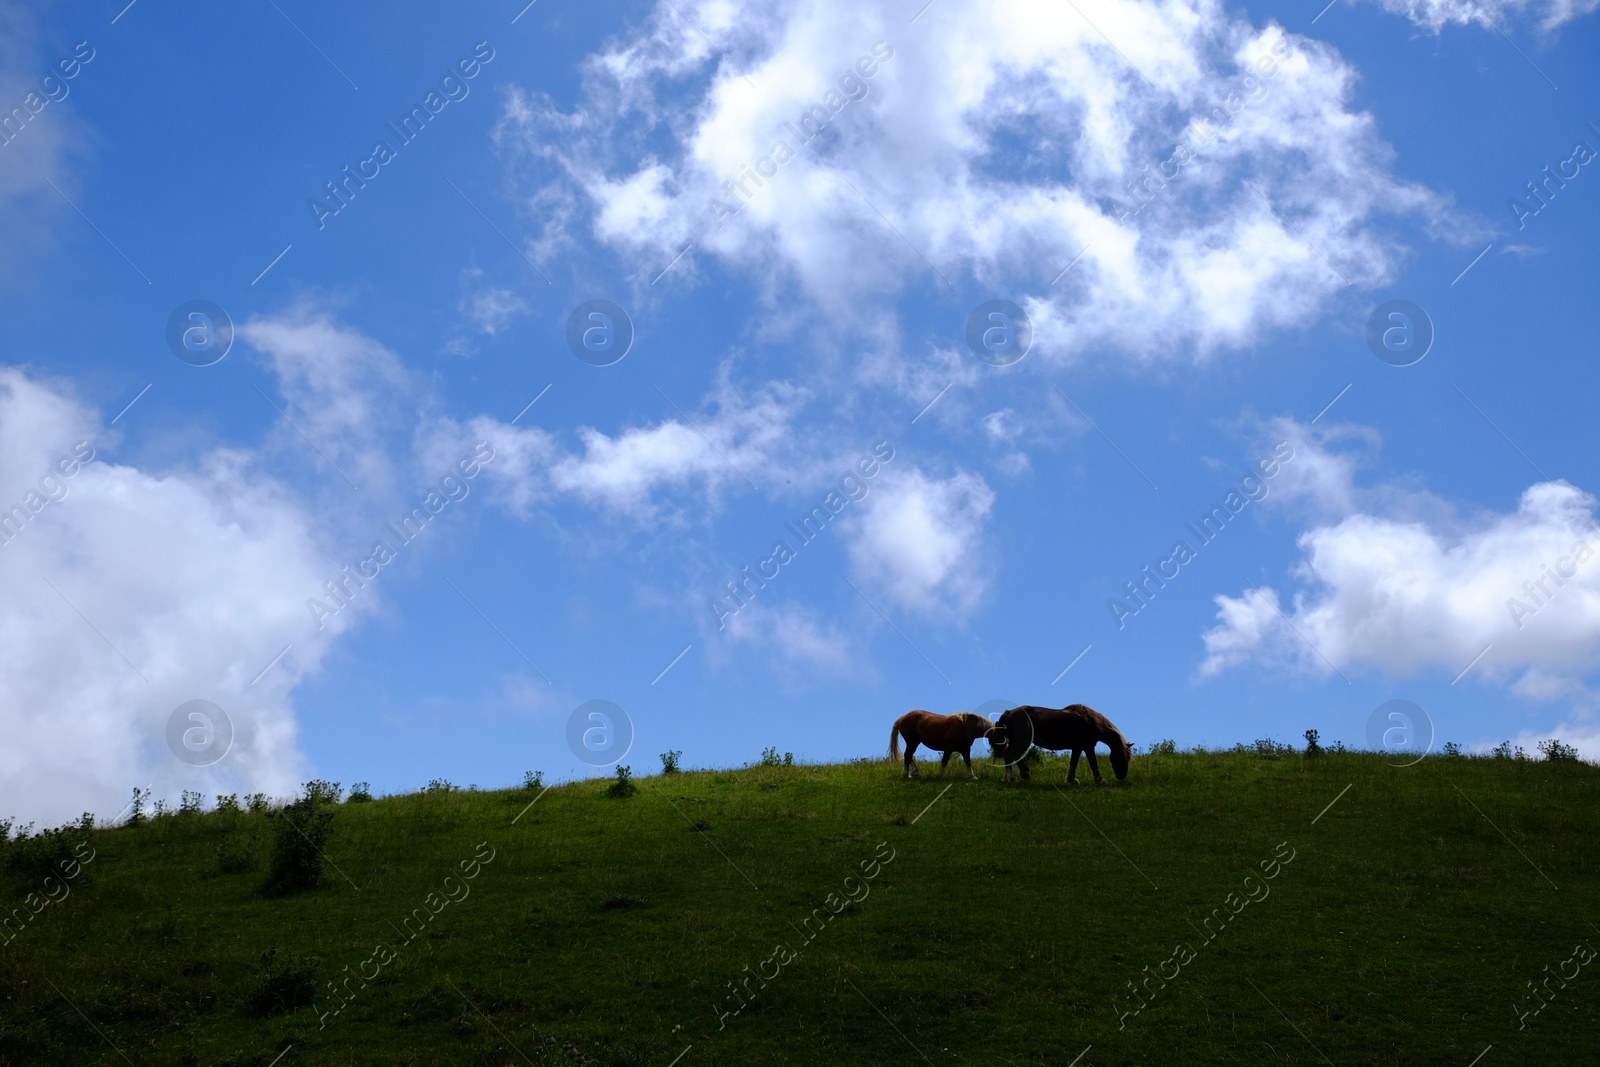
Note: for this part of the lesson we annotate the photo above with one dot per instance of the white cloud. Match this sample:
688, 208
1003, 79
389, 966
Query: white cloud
919, 539
1434, 15
197, 576
1408, 595
41, 136
492, 308
744, 438
791, 638
342, 390
930, 142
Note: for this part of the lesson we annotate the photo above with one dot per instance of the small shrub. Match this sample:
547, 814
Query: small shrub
300, 829
361, 793
788, 759
1267, 748
257, 802
1337, 746
1502, 750
1557, 752
136, 808
1165, 747
323, 792
1034, 757
533, 779
441, 785
669, 761
190, 804
1452, 749
228, 802
161, 811
282, 986
5, 829
623, 786
769, 758
1312, 747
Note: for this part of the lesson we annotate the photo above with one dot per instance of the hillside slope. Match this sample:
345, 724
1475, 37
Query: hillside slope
991, 923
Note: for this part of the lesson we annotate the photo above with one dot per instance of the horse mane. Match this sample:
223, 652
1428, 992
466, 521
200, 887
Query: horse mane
973, 719
1103, 728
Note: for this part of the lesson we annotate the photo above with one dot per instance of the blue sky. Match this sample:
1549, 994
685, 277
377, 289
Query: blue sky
991, 147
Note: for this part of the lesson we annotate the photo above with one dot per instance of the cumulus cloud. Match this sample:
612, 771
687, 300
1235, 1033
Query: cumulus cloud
918, 538
1212, 175
130, 594
741, 441
1405, 595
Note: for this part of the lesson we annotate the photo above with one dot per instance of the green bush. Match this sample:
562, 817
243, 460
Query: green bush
669, 761
361, 793
623, 786
300, 830
1556, 751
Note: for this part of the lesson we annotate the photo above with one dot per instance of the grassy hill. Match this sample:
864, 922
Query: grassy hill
991, 924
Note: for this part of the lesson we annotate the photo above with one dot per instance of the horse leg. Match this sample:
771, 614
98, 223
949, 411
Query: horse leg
1094, 766
966, 754
1072, 770
945, 761
911, 764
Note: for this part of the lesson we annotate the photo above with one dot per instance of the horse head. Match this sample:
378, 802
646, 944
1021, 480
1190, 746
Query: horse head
1121, 753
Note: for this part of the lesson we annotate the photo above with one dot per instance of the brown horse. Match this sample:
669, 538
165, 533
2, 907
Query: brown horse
1075, 726
942, 733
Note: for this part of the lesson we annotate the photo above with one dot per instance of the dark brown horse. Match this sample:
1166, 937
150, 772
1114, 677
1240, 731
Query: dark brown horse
942, 733
1075, 726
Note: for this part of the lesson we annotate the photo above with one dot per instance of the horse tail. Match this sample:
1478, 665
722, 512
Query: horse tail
894, 738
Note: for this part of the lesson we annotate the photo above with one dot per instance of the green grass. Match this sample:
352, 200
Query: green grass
1004, 930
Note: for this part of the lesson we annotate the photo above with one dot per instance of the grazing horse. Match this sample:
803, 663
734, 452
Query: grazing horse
942, 733
1075, 726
